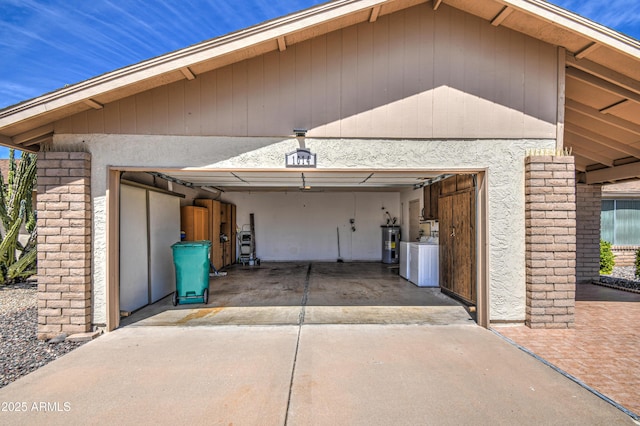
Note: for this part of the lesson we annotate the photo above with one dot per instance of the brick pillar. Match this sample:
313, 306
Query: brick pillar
64, 243
588, 207
550, 217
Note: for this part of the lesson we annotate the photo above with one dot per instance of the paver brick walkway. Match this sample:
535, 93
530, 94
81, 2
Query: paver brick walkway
603, 350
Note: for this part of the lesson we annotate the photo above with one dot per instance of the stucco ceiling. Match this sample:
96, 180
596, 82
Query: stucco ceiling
601, 119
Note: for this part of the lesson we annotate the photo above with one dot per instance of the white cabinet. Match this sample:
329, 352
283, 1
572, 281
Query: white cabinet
149, 225
423, 264
134, 255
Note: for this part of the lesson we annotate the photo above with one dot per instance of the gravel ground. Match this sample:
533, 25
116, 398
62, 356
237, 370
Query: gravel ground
20, 350
622, 276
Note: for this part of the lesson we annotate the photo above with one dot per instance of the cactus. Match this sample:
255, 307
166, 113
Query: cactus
17, 262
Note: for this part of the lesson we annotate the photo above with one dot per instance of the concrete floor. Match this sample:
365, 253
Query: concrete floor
301, 375
309, 293
345, 344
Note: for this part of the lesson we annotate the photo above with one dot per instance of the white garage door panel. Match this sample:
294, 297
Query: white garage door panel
164, 225
134, 291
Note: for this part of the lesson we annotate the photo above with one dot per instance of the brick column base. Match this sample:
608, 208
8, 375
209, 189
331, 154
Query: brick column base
588, 208
550, 217
64, 243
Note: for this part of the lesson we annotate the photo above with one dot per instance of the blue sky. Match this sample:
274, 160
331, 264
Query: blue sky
46, 44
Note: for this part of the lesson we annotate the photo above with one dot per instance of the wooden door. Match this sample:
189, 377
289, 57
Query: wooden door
457, 212
464, 245
445, 214
430, 198
426, 203
214, 215
194, 222
434, 193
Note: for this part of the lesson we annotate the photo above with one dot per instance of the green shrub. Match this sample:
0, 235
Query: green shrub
638, 264
607, 258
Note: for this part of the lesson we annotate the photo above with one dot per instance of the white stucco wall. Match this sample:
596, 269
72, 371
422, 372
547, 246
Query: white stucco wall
502, 159
303, 225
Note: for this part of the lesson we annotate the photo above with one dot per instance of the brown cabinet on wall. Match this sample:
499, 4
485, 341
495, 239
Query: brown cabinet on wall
213, 217
194, 222
221, 220
431, 194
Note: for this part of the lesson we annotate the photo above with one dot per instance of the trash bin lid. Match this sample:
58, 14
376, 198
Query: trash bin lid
186, 244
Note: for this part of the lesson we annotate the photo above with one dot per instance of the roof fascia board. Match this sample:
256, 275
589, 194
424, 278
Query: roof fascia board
174, 61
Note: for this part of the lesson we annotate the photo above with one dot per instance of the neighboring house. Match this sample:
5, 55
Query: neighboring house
4, 169
469, 101
621, 220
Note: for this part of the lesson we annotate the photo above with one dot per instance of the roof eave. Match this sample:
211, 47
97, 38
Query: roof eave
174, 61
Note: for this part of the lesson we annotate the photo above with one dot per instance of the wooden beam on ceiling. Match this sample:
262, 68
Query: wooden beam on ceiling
39, 140
612, 174
599, 115
605, 73
611, 109
282, 44
93, 104
602, 140
578, 142
598, 158
587, 50
375, 11
32, 134
506, 11
436, 4
186, 71
601, 84
581, 163
8, 142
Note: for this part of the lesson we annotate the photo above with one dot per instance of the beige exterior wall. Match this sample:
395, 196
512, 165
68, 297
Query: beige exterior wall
503, 160
417, 89
414, 74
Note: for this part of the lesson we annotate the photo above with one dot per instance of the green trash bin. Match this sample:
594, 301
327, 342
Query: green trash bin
191, 261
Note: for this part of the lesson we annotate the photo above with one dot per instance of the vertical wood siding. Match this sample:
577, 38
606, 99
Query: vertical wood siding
413, 74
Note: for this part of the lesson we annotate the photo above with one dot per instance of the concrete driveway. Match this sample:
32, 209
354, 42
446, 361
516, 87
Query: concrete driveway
300, 375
